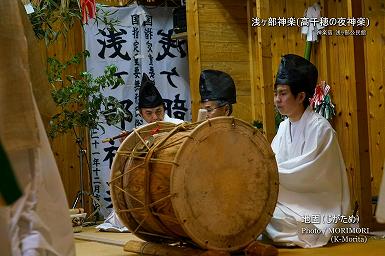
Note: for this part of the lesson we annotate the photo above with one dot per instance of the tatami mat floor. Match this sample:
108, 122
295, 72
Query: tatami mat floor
91, 242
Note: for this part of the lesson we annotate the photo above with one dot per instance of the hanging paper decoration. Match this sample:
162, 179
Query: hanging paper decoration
310, 27
321, 101
88, 10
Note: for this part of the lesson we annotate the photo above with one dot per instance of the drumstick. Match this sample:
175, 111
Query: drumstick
126, 133
123, 134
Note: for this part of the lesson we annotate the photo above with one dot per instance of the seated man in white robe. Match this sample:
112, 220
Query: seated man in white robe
313, 188
152, 109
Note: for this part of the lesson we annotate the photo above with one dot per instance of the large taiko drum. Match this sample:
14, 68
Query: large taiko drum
213, 183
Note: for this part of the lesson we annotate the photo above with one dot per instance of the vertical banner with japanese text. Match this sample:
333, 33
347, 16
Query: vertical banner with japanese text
140, 43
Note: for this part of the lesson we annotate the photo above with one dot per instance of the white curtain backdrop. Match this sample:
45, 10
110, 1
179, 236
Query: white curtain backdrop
141, 43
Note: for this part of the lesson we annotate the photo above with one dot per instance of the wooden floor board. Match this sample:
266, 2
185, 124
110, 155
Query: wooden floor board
91, 242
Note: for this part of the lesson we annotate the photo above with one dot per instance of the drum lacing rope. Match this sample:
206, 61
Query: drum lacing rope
147, 203
140, 137
130, 210
171, 133
125, 191
140, 224
125, 173
130, 195
175, 142
147, 159
159, 145
146, 206
154, 160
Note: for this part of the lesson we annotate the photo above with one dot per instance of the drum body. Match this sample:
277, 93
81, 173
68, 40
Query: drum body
213, 183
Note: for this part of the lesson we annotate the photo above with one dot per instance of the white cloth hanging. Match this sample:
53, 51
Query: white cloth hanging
38, 223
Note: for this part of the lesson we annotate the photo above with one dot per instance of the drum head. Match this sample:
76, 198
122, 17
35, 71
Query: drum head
225, 186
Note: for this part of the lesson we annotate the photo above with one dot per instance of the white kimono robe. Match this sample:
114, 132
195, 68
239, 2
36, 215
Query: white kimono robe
313, 182
168, 119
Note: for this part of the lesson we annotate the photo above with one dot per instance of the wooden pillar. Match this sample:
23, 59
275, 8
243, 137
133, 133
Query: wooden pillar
194, 53
365, 209
255, 86
367, 219
264, 69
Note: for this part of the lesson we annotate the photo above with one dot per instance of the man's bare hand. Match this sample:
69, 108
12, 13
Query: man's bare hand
123, 135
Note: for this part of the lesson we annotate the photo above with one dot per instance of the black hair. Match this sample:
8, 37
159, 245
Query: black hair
296, 89
222, 103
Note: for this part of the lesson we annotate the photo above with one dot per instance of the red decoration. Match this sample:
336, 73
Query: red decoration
155, 131
321, 101
88, 10
318, 95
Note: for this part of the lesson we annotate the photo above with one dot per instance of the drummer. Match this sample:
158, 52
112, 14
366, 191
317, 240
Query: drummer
151, 105
218, 93
313, 185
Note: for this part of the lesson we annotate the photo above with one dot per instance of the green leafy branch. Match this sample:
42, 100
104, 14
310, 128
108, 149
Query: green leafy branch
278, 118
81, 100
52, 18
